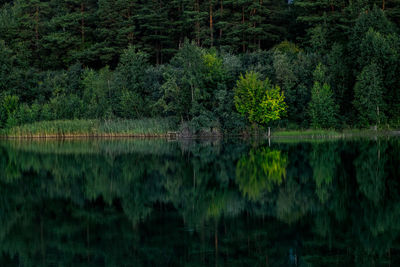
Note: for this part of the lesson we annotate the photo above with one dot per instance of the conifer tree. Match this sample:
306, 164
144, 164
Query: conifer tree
31, 17
153, 28
322, 13
116, 28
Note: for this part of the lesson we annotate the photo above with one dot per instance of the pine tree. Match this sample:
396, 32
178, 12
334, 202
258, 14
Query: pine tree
392, 10
115, 28
153, 28
322, 13
69, 33
182, 18
7, 68
31, 16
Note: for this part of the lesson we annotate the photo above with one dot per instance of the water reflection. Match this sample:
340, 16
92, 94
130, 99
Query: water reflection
154, 202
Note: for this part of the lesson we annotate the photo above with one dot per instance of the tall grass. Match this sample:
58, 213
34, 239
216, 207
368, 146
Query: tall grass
88, 128
319, 133
306, 133
144, 127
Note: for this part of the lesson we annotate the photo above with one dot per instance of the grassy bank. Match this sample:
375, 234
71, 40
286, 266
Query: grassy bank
93, 128
154, 127
331, 133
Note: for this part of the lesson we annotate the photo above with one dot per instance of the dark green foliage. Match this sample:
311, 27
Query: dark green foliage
322, 108
96, 93
369, 96
339, 78
183, 82
294, 74
131, 90
86, 59
3, 112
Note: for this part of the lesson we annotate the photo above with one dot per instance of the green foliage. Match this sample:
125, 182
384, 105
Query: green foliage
130, 82
3, 112
293, 72
96, 94
369, 100
10, 104
287, 47
86, 59
260, 172
339, 76
183, 81
258, 100
7, 62
322, 108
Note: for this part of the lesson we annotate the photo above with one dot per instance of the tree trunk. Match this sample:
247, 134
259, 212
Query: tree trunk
221, 14
243, 43
37, 27
197, 26
82, 23
259, 40
211, 24
379, 119
157, 54
130, 34
216, 243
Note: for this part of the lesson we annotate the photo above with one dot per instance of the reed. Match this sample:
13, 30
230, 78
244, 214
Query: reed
306, 133
92, 128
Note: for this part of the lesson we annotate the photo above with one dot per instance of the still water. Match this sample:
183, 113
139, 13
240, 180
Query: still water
200, 203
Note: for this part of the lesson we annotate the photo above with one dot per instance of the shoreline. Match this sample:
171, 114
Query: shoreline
313, 134
165, 128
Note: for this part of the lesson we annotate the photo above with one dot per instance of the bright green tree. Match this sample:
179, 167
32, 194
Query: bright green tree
260, 101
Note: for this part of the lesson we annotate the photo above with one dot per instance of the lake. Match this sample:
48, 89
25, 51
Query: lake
137, 202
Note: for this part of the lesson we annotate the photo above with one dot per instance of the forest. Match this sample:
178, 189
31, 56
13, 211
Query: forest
216, 66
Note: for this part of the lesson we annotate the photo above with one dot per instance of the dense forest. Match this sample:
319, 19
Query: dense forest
216, 65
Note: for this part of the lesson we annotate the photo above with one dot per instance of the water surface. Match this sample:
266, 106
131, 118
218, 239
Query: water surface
190, 203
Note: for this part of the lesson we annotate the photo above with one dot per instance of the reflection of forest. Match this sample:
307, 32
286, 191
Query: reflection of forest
141, 202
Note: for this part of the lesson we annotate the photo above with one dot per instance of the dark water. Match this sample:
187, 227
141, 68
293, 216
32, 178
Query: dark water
230, 203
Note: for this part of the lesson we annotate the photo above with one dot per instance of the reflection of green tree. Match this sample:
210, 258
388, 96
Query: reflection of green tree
324, 161
370, 170
260, 170
103, 203
293, 201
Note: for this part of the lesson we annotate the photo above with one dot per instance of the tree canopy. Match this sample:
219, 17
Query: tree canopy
110, 59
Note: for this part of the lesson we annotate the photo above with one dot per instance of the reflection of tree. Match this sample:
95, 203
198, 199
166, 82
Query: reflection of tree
293, 201
324, 161
260, 170
107, 203
370, 170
